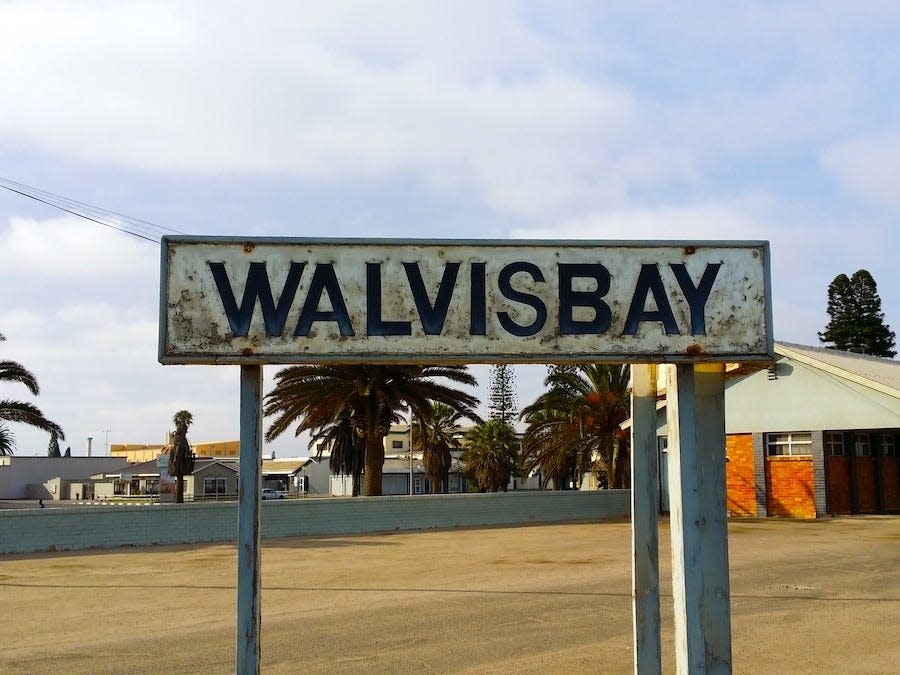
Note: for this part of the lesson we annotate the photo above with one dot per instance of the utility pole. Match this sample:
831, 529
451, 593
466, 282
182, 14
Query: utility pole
410, 451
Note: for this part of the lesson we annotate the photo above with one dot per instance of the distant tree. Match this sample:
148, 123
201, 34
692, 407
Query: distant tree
368, 397
68, 451
181, 458
856, 320
53, 448
491, 455
19, 411
556, 369
7, 441
574, 427
435, 435
347, 448
502, 401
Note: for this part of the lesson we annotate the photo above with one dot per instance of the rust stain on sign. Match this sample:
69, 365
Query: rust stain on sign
694, 350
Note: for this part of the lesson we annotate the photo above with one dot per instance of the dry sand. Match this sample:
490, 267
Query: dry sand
807, 597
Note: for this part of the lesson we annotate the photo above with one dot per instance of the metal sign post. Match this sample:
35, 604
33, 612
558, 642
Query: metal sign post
249, 481
644, 516
700, 586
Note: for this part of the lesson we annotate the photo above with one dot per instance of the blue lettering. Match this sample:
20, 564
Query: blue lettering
257, 287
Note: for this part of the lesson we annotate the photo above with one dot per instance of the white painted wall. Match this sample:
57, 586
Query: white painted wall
804, 398
16, 473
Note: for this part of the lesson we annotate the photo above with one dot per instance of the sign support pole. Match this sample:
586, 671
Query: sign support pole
249, 481
700, 586
644, 521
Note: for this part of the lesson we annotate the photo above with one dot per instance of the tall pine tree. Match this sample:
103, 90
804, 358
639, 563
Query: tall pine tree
502, 400
53, 448
857, 322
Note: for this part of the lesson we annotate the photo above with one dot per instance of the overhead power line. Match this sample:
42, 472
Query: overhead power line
136, 227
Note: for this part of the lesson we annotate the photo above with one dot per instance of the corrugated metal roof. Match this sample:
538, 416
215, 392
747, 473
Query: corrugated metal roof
873, 369
143, 467
285, 466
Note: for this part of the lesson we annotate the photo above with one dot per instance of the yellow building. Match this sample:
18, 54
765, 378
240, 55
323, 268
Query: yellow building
135, 453
217, 449
141, 452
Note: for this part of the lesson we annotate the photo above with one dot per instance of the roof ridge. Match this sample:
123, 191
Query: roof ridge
840, 352
875, 372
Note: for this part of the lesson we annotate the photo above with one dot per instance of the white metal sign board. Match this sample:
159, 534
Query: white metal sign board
273, 300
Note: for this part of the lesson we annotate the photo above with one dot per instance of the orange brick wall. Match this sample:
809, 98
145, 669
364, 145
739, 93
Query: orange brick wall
839, 485
789, 487
890, 471
739, 479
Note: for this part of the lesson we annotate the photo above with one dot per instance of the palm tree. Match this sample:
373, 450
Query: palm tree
574, 426
348, 452
435, 434
7, 441
547, 451
490, 455
181, 458
368, 396
19, 411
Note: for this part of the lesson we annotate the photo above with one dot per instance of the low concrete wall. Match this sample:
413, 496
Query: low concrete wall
75, 528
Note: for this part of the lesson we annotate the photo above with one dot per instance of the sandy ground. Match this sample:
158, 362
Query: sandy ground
807, 597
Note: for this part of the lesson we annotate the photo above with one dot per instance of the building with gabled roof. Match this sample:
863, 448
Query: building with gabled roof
815, 433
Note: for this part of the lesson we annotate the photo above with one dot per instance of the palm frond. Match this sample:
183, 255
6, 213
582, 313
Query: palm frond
7, 439
572, 426
10, 371
26, 413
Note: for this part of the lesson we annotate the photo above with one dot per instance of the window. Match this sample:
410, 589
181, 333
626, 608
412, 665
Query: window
863, 445
214, 486
397, 445
791, 443
888, 448
834, 443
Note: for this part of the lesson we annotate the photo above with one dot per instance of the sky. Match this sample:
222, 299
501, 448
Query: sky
596, 120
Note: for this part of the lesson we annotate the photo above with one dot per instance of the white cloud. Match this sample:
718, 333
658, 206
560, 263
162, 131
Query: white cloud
531, 111
70, 248
104, 375
690, 222
463, 98
81, 314
868, 166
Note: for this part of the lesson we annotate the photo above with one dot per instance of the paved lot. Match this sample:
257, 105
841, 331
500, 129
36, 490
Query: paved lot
807, 597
